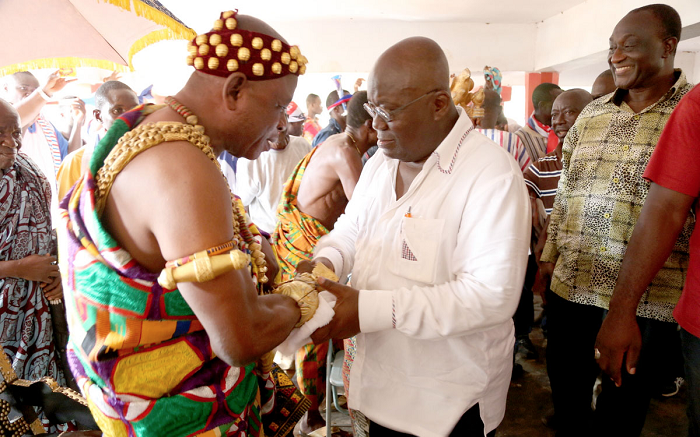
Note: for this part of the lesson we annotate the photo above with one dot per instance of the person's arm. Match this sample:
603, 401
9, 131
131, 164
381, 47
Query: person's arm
348, 166
75, 141
185, 213
662, 218
29, 108
40, 268
489, 265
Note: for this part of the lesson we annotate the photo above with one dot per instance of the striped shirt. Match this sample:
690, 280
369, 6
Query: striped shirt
542, 179
511, 143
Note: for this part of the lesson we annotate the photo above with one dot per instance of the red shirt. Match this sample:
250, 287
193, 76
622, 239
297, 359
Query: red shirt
675, 165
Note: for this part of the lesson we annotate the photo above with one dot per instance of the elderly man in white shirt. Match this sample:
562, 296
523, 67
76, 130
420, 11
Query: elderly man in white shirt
436, 237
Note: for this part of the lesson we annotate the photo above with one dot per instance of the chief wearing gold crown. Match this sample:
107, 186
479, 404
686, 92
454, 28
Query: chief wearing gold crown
170, 327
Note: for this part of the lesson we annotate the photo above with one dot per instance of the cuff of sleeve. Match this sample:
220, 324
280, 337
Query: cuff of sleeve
549, 253
376, 310
334, 256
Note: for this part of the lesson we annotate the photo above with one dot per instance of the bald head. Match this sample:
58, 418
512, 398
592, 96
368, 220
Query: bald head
566, 109
604, 84
409, 59
19, 86
10, 134
410, 84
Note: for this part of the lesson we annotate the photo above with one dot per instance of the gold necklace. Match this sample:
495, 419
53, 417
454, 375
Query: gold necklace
240, 224
354, 143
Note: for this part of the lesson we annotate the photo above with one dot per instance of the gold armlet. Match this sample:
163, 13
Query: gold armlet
202, 267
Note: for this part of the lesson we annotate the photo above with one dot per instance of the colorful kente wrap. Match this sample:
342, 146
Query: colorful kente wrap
297, 233
140, 355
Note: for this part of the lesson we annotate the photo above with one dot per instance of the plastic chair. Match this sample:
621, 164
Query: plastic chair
334, 382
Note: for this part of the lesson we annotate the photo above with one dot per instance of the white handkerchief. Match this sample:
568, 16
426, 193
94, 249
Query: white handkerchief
301, 336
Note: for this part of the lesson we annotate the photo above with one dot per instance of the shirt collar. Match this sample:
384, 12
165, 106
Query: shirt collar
537, 126
617, 96
446, 152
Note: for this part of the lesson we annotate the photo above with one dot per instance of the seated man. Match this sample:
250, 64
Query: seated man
112, 99
259, 182
169, 338
313, 199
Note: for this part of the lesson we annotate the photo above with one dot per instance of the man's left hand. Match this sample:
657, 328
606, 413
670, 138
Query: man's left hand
346, 322
619, 342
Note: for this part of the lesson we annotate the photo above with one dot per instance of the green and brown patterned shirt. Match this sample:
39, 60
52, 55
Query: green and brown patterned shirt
600, 196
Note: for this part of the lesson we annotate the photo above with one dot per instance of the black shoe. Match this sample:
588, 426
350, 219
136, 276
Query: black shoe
525, 349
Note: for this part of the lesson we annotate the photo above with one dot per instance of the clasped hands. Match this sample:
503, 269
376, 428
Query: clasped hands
345, 322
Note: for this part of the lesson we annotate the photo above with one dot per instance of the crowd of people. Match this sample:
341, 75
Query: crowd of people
180, 237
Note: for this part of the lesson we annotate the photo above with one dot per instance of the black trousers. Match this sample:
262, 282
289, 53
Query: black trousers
524, 316
469, 425
620, 411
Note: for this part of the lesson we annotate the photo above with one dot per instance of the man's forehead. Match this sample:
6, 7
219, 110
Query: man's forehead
25, 80
637, 24
8, 114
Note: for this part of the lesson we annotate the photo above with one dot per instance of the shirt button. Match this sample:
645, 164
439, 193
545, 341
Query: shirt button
616, 180
606, 215
625, 147
603, 249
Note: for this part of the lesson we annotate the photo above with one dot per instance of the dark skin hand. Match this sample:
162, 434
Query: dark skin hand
346, 322
660, 222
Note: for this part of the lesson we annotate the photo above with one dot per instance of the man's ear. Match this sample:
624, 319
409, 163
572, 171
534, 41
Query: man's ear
233, 86
441, 104
670, 45
97, 114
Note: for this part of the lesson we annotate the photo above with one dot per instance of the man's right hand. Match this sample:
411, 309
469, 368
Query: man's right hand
308, 266
56, 83
40, 268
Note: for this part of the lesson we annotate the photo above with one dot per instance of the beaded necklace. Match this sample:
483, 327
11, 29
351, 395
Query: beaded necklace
240, 226
354, 143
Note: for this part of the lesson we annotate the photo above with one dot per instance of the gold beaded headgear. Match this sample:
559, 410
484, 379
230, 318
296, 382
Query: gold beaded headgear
227, 49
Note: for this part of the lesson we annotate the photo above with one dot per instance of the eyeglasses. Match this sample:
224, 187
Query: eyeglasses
388, 116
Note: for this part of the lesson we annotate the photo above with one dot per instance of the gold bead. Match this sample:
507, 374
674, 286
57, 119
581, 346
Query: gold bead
294, 52
190, 60
213, 63
218, 25
192, 50
231, 23
285, 58
203, 49
293, 66
192, 119
257, 43
236, 40
243, 54
276, 45
232, 65
258, 69
227, 14
221, 50
215, 39
265, 54
201, 39
302, 60
198, 63
277, 68
302, 69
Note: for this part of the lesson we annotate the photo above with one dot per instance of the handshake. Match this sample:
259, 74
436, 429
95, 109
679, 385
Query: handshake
304, 289
328, 309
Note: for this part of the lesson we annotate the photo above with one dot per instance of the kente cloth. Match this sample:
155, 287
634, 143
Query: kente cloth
296, 233
311, 128
140, 356
26, 331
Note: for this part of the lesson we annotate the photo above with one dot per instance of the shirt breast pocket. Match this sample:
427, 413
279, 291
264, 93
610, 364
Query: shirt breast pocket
416, 252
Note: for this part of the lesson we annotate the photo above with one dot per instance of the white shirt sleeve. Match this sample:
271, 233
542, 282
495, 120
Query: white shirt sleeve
488, 268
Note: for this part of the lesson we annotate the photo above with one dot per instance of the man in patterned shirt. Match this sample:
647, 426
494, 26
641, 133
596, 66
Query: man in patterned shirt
601, 193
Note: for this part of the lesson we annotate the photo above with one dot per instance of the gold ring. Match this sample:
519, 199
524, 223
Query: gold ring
597, 354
